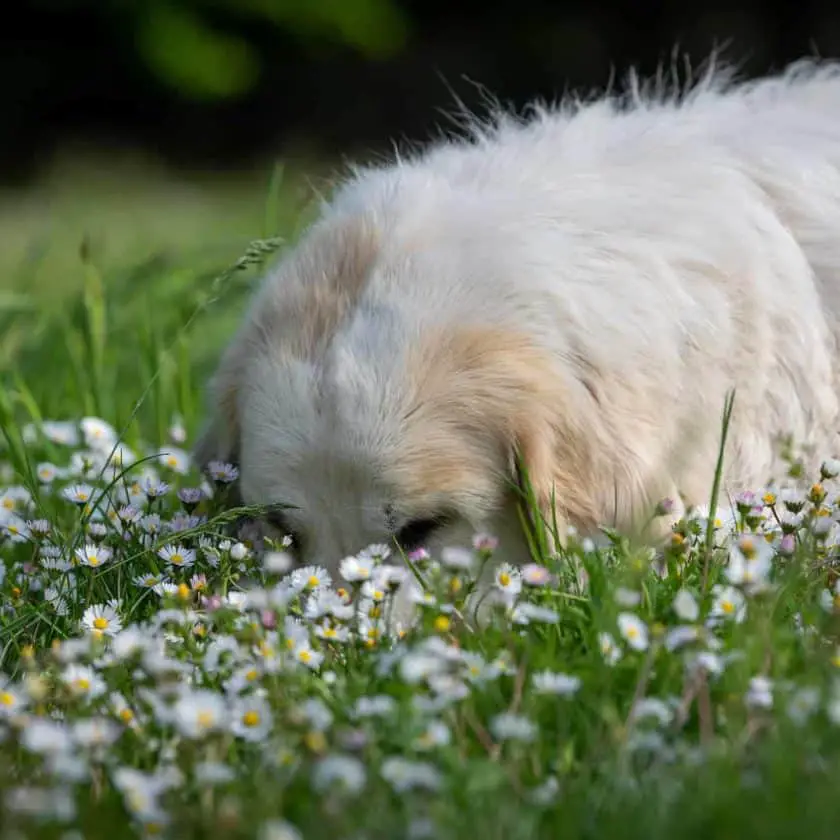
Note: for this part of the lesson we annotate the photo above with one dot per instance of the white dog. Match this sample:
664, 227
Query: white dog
582, 287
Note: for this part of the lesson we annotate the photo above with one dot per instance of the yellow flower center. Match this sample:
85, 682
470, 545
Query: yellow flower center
16, 591
769, 499
8, 503
330, 633
251, 718
81, 684
126, 715
378, 595
315, 741
455, 585
442, 624
82, 496
6, 699
151, 581
183, 591
206, 719
200, 630
93, 560
305, 656
632, 632
504, 579
172, 461
727, 606
341, 592
100, 623
374, 612
176, 559
313, 581
252, 674
748, 548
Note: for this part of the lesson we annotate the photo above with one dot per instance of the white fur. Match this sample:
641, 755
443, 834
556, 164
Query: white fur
660, 248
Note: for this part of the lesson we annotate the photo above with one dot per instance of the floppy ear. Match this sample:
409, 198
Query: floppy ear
499, 386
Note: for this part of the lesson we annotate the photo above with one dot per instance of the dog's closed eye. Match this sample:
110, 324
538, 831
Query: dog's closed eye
417, 531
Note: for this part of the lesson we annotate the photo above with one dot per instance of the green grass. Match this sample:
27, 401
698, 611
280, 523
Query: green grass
125, 328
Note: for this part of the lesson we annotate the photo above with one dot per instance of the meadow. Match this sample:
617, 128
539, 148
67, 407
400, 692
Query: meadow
162, 674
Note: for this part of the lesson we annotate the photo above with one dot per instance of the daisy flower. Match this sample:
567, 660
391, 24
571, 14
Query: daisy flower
175, 459
199, 712
148, 581
550, 682
354, 569
102, 620
728, 604
508, 580
310, 578
251, 718
750, 561
307, 656
93, 555
508, 726
339, 771
634, 630
12, 700
685, 606
535, 575
404, 775
177, 556
609, 649
14, 528
79, 494
83, 681
222, 472
47, 472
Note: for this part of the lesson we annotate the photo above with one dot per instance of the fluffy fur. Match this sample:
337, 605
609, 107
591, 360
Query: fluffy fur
583, 286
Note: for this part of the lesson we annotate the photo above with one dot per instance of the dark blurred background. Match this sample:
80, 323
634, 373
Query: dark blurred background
218, 83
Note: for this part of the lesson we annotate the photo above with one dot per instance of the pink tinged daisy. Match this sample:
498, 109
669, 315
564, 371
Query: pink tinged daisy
93, 555
101, 620
222, 472
535, 575
485, 542
177, 556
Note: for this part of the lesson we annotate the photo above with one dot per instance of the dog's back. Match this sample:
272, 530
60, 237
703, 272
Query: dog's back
658, 250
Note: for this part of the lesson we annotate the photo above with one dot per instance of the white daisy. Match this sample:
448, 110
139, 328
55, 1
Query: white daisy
177, 556
550, 682
634, 630
102, 620
93, 555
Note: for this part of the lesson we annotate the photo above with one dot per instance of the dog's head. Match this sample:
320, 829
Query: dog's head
365, 424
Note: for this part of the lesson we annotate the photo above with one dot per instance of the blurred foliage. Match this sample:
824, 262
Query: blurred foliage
180, 44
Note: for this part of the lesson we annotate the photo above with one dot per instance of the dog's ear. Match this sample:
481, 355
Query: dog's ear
500, 387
